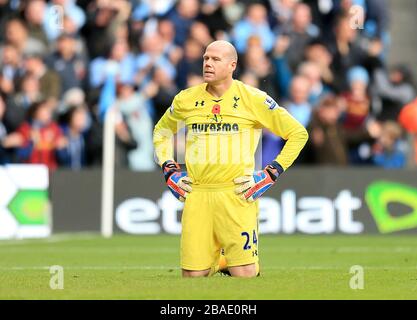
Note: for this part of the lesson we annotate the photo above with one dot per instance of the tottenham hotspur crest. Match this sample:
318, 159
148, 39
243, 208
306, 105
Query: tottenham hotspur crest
236, 101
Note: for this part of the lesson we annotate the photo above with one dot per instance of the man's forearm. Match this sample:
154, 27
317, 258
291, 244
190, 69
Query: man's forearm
292, 148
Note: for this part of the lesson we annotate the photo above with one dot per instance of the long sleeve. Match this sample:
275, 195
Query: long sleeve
284, 75
280, 122
25, 150
403, 93
167, 126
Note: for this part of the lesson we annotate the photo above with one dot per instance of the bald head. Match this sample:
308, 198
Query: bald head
220, 60
225, 47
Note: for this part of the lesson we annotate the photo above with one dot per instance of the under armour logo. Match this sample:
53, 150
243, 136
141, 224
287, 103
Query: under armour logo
197, 103
235, 105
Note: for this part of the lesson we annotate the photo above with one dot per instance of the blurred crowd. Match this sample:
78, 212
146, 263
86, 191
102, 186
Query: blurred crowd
64, 63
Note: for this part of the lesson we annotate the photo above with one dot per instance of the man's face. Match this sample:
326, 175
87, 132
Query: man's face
387, 141
79, 120
30, 85
302, 16
329, 115
33, 64
300, 90
66, 46
319, 54
10, 55
35, 12
395, 76
43, 114
345, 32
217, 65
15, 32
257, 14
188, 8
119, 50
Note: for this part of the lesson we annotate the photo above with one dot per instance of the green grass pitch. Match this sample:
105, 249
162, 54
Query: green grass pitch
146, 267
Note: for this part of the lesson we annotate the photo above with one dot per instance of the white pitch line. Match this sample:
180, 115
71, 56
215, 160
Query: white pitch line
52, 239
98, 250
289, 268
339, 268
105, 249
18, 268
343, 249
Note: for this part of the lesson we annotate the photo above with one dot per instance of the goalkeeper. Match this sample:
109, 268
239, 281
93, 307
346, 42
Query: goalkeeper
224, 120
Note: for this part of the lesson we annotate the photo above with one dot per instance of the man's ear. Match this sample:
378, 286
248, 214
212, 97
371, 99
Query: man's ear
234, 65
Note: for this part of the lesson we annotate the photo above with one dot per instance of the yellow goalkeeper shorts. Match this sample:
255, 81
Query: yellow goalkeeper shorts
214, 217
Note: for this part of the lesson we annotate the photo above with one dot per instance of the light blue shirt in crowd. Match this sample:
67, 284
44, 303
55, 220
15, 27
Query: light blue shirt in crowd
137, 117
53, 20
101, 67
245, 29
301, 112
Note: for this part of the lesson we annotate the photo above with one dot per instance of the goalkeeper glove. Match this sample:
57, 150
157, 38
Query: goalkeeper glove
252, 187
177, 181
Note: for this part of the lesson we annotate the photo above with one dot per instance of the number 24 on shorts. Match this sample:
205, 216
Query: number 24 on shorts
247, 246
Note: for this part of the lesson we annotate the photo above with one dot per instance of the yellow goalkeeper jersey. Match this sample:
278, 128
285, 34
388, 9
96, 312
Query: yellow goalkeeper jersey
222, 133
